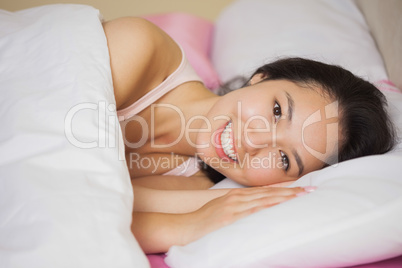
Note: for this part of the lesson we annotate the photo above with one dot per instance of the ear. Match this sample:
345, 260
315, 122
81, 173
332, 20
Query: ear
257, 78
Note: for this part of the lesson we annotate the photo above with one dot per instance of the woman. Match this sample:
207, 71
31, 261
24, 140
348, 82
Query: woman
293, 117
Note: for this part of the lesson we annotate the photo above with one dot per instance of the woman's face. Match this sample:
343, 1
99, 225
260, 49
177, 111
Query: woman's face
270, 132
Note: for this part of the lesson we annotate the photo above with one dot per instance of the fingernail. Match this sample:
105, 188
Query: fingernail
310, 189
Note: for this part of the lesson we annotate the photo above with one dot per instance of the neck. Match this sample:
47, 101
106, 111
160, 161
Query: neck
179, 123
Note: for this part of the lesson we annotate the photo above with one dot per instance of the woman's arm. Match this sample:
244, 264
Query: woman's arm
141, 57
170, 182
172, 201
177, 224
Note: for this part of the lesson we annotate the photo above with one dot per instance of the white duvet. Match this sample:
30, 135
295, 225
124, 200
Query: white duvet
65, 194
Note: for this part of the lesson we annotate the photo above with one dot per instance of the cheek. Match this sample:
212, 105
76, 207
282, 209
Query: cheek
202, 144
263, 175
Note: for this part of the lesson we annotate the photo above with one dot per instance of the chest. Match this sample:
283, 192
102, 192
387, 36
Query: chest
141, 165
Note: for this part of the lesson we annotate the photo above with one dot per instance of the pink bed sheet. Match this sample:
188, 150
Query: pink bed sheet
157, 261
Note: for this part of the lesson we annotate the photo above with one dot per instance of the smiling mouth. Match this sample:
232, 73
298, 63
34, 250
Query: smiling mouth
227, 142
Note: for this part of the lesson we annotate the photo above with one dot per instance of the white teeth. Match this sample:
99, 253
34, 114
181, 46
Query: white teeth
227, 143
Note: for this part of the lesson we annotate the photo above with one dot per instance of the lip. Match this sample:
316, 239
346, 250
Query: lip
218, 147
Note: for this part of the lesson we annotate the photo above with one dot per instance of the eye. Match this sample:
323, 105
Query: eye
285, 161
277, 111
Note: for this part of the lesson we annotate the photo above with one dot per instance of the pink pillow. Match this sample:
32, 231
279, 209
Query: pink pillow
386, 85
157, 261
194, 34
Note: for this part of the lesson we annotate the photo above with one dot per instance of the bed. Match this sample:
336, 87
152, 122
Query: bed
65, 192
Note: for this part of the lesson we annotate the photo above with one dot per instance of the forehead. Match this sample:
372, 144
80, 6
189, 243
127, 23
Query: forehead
300, 89
318, 143
316, 124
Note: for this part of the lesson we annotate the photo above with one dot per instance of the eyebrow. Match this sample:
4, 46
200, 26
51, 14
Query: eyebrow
291, 105
299, 162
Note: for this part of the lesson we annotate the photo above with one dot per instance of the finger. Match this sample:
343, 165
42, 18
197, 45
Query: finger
260, 206
305, 188
244, 209
290, 191
271, 201
284, 190
280, 189
244, 206
257, 193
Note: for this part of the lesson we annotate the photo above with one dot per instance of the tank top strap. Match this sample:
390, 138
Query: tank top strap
186, 169
182, 74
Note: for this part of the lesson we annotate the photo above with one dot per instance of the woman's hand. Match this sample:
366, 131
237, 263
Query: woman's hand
234, 205
158, 231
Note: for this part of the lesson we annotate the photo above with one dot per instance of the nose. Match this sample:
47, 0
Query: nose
260, 135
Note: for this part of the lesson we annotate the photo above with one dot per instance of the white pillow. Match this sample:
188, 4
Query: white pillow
354, 216
250, 33
61, 205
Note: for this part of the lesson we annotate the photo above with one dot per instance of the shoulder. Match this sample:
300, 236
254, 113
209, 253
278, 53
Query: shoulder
141, 56
131, 30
